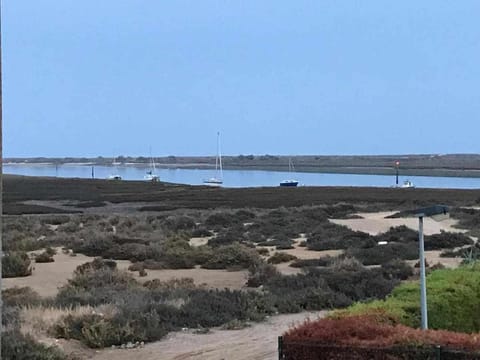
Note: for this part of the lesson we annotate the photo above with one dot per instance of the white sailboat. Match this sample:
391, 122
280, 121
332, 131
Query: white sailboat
152, 173
217, 179
407, 184
289, 182
114, 176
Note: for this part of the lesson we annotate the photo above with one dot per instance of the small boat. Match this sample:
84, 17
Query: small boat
289, 182
407, 184
217, 179
114, 176
151, 174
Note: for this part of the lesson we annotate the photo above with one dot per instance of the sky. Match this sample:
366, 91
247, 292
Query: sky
121, 77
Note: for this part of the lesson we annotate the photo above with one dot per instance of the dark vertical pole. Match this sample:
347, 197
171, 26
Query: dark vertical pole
423, 281
93, 173
397, 164
1, 182
280, 348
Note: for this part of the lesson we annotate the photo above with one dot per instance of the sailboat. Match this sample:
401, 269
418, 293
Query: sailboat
114, 176
289, 182
151, 174
216, 180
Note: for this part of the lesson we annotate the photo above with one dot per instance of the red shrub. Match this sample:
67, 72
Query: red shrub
377, 330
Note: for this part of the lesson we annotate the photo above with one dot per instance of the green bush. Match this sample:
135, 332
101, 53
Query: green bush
20, 296
329, 236
397, 269
179, 222
227, 237
201, 232
232, 257
381, 254
263, 251
16, 264
44, 258
15, 345
280, 257
260, 273
322, 261
221, 220
453, 301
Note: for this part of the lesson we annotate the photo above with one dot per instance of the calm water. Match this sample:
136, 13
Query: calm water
239, 178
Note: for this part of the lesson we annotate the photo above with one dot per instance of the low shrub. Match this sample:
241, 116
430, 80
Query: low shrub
20, 296
279, 241
263, 251
260, 273
44, 257
322, 261
280, 257
232, 256
172, 284
445, 240
381, 254
221, 220
16, 345
129, 251
397, 269
93, 245
244, 215
327, 288
329, 236
227, 237
398, 234
16, 264
201, 232
55, 219
177, 223
376, 331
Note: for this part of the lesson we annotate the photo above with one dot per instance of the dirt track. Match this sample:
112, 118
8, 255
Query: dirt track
258, 342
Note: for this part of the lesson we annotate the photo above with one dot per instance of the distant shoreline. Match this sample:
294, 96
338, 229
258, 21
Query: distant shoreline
305, 168
438, 165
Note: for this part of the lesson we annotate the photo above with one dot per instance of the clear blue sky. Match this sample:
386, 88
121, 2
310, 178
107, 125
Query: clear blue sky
110, 77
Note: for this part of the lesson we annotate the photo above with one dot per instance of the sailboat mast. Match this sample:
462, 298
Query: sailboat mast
216, 157
219, 155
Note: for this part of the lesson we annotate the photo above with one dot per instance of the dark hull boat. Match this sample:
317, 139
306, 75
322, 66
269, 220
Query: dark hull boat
289, 183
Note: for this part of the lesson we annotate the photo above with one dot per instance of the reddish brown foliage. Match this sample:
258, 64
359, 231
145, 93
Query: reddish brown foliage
377, 331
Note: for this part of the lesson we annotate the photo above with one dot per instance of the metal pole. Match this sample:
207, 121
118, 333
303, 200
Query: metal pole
1, 183
423, 287
396, 180
280, 348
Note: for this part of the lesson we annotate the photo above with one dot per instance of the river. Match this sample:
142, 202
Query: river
237, 178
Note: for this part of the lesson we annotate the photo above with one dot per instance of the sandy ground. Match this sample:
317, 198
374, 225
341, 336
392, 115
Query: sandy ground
375, 223
211, 278
300, 252
48, 277
258, 342
433, 257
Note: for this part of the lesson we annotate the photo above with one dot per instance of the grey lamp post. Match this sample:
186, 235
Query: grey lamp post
1, 182
438, 213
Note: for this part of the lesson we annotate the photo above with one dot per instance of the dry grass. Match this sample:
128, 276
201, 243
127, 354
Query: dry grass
37, 320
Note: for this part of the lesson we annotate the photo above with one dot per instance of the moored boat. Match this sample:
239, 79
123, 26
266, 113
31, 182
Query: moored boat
217, 179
